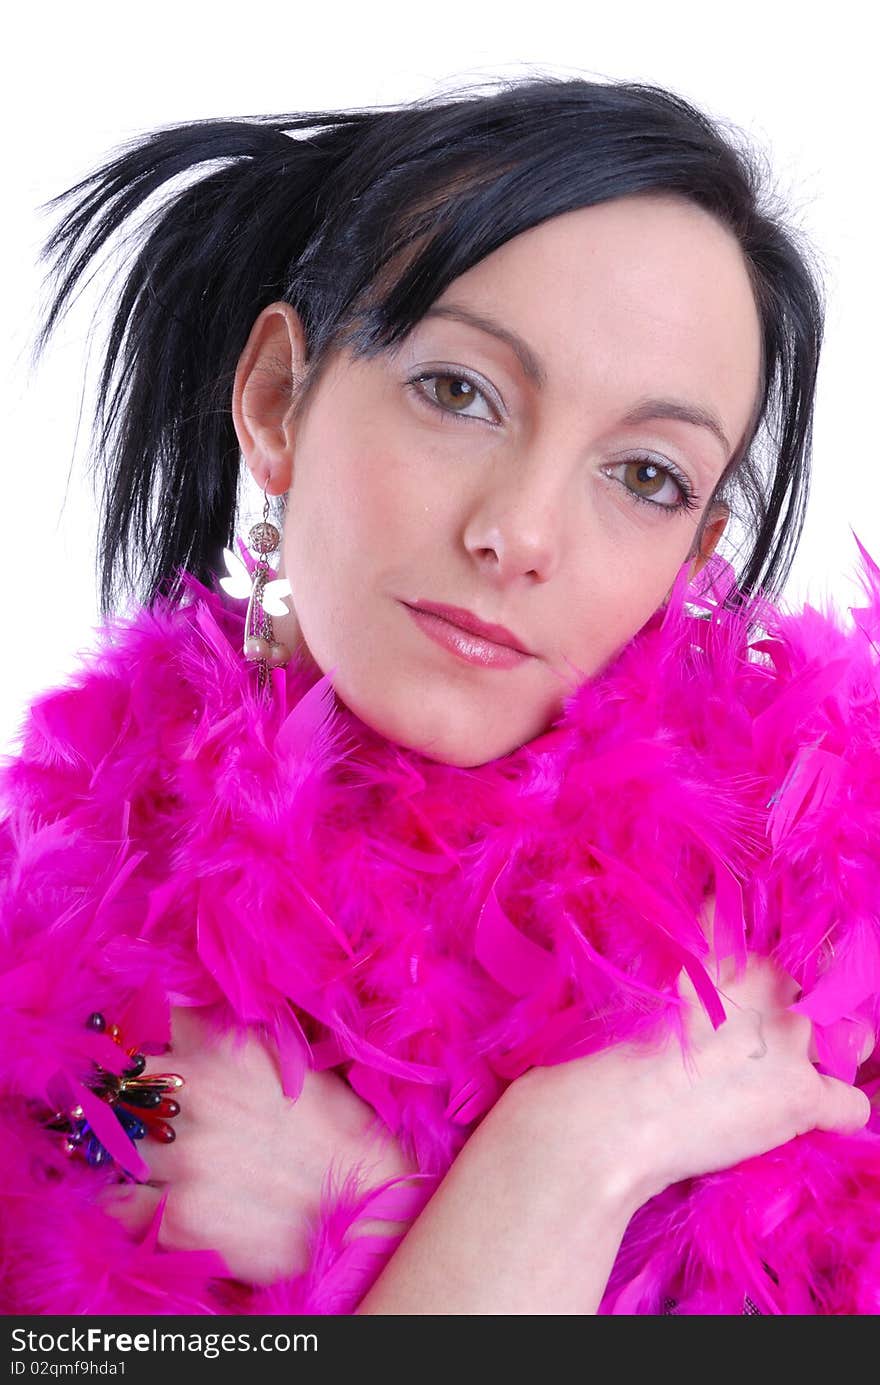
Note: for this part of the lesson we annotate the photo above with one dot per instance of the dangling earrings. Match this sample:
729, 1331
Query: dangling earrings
264, 597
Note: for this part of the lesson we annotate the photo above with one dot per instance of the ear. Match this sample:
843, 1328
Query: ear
272, 360
713, 529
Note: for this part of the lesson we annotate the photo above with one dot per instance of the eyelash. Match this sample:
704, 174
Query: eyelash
690, 499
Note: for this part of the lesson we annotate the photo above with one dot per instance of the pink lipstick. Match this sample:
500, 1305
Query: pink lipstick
470, 643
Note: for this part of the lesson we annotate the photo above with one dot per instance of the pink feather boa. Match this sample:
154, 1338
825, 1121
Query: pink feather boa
170, 838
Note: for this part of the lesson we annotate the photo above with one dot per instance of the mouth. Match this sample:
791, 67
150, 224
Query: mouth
467, 621
470, 645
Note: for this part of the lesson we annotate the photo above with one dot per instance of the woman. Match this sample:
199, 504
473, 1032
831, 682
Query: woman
429, 925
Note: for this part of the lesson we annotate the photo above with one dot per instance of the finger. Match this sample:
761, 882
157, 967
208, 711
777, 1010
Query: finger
761, 984
132, 1204
841, 1107
765, 985
861, 1042
162, 1159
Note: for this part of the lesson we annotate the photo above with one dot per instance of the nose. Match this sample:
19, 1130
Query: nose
515, 529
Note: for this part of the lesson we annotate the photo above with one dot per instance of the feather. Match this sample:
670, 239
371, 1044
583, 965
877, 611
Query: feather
172, 836
508, 955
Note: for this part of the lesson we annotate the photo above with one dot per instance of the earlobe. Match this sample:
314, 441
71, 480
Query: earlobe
271, 361
712, 532
708, 543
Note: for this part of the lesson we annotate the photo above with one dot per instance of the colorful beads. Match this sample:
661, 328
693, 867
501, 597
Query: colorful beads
141, 1102
134, 1095
133, 1126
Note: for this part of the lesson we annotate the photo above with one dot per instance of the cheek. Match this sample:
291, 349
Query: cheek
381, 502
359, 517
616, 598
384, 512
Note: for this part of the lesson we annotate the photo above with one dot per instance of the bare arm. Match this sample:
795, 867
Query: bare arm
514, 1228
531, 1215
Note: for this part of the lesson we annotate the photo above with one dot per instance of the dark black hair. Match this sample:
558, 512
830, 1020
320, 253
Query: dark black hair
360, 219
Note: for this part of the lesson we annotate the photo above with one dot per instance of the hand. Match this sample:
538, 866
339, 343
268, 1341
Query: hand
244, 1174
653, 1117
752, 1084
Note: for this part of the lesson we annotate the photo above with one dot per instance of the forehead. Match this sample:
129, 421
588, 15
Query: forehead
636, 296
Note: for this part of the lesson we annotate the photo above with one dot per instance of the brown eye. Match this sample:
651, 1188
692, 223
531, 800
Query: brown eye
644, 478
647, 476
452, 390
451, 394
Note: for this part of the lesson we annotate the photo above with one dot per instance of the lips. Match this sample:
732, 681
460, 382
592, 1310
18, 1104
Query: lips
463, 644
466, 620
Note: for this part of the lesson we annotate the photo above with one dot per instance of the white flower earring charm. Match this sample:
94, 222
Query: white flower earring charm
264, 597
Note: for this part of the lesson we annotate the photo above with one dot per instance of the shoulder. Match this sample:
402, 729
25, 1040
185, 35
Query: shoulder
122, 709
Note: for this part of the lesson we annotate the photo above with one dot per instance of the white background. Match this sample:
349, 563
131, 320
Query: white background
799, 82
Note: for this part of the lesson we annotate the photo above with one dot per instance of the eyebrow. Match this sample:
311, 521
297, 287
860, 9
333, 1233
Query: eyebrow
641, 412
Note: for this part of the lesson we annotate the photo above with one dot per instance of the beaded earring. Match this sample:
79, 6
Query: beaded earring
264, 597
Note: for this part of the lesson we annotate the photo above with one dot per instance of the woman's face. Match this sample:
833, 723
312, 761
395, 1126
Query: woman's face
534, 503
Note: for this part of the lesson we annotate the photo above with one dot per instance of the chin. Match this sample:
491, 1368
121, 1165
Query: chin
465, 752
431, 721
